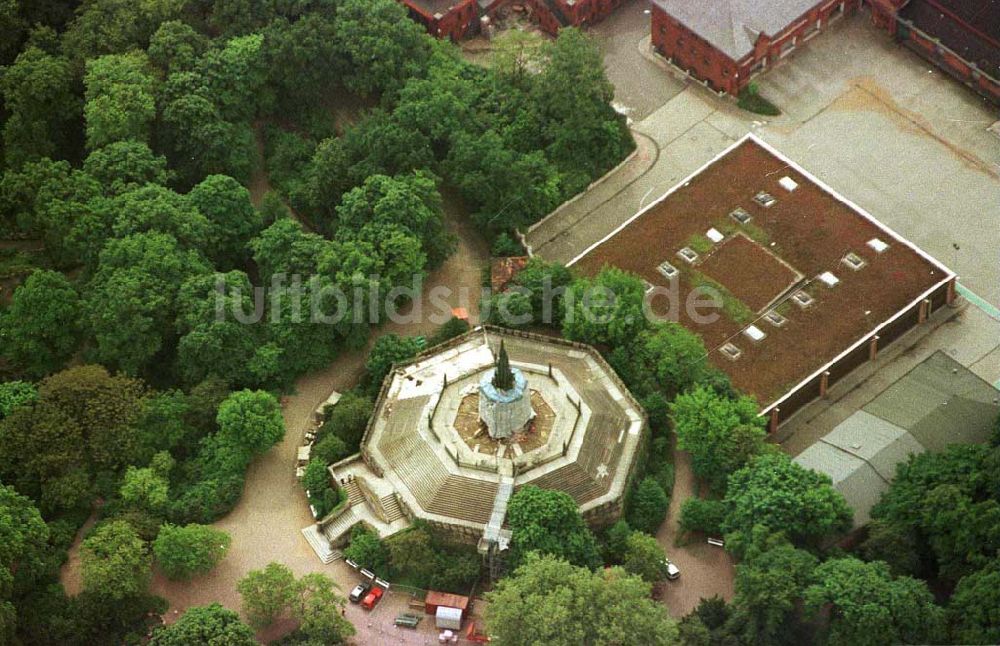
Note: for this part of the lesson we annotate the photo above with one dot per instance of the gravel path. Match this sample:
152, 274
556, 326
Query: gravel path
705, 570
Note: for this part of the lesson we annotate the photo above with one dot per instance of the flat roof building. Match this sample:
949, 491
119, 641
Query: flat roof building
935, 405
810, 285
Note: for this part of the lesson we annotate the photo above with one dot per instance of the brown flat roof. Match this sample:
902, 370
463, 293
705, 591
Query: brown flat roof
807, 231
446, 599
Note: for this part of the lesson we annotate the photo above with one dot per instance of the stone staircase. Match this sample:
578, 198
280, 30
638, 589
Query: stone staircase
354, 495
390, 505
321, 545
336, 529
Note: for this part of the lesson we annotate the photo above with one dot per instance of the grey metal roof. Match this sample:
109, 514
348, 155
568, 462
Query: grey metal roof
733, 26
940, 402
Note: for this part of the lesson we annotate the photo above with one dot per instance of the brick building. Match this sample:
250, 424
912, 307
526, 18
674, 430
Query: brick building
809, 285
726, 42
456, 19
962, 37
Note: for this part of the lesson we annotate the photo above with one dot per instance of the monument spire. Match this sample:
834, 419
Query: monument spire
503, 378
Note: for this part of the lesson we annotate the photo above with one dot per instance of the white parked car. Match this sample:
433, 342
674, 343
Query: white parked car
673, 572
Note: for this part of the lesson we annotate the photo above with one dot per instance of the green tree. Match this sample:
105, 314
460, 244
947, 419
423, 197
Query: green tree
14, 394
115, 562
868, 606
702, 515
235, 75
388, 349
509, 189
212, 625
666, 358
189, 551
770, 581
775, 492
605, 311
721, 434
549, 601
176, 47
412, 553
367, 550
348, 418
38, 95
116, 26
23, 540
409, 201
119, 99
381, 46
131, 299
574, 101
323, 496
124, 166
648, 506
549, 522
232, 220
251, 419
145, 489
319, 610
974, 609
41, 328
644, 557
267, 594
154, 208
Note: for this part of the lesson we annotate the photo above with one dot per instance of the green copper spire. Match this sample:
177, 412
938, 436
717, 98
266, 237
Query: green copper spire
503, 378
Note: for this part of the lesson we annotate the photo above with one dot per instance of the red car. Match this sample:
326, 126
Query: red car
373, 597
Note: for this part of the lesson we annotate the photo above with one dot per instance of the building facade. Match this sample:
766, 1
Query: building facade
725, 43
962, 37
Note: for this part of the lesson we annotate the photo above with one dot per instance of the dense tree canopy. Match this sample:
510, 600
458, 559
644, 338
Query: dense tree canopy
779, 494
548, 601
721, 434
548, 522
868, 606
41, 329
205, 625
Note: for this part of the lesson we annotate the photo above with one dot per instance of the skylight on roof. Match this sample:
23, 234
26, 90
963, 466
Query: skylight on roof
754, 333
714, 235
668, 270
688, 254
731, 351
877, 245
765, 199
788, 183
740, 215
802, 298
854, 261
829, 279
775, 319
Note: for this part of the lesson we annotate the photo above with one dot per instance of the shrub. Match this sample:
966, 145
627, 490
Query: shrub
698, 515
648, 506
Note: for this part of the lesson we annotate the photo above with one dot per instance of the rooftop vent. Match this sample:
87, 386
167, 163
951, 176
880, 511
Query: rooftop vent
740, 215
714, 235
731, 351
765, 199
788, 183
668, 270
688, 254
877, 245
829, 279
854, 261
754, 333
775, 319
802, 298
